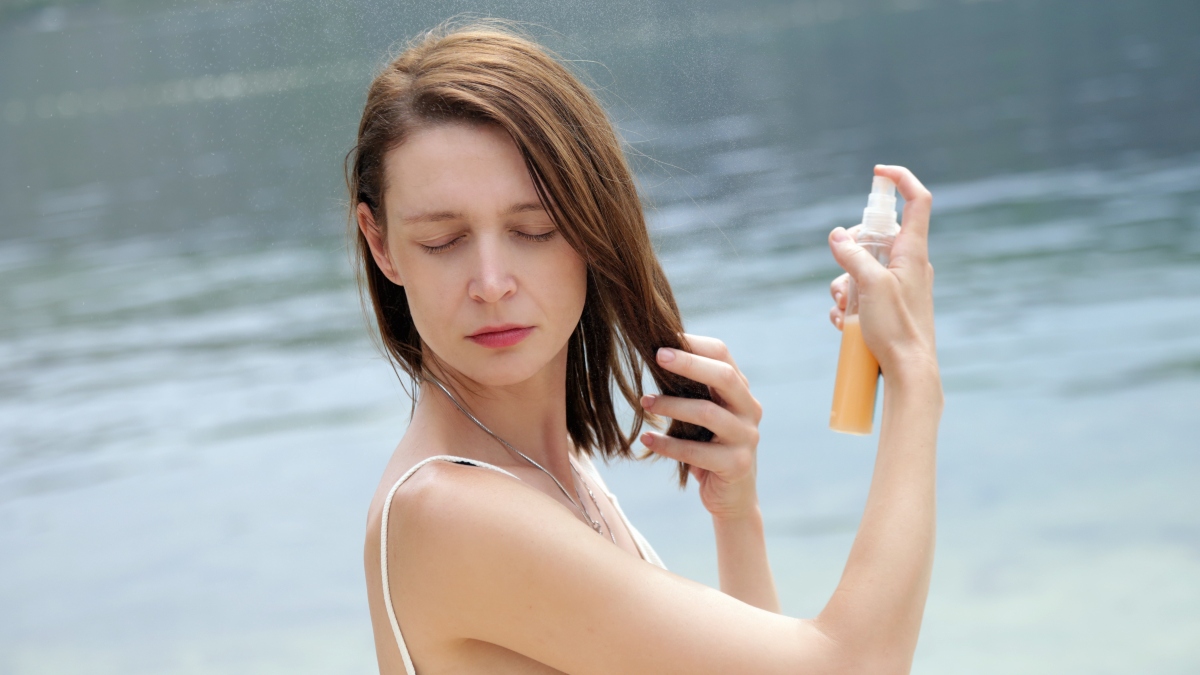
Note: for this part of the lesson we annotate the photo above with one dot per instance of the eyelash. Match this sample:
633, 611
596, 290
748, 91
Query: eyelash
453, 242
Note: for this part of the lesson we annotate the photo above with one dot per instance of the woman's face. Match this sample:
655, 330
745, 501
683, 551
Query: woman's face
467, 237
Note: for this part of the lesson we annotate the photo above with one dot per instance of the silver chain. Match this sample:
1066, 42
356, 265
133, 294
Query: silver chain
578, 504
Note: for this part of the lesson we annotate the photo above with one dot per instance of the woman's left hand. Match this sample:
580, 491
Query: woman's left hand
725, 467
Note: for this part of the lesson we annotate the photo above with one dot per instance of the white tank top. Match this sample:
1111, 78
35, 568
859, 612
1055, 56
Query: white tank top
585, 463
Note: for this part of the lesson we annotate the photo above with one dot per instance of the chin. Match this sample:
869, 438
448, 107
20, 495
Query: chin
500, 370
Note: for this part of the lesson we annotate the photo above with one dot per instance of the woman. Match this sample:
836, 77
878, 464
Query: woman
507, 261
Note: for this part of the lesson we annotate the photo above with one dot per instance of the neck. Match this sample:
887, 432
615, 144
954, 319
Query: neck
529, 415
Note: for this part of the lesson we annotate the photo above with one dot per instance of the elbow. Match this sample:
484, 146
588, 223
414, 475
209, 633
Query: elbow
865, 654
853, 662
895, 663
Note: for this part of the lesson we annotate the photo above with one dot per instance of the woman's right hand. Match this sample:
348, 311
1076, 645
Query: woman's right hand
895, 302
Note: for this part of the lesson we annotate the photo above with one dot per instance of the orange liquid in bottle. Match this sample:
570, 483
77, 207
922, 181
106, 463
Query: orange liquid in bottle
857, 379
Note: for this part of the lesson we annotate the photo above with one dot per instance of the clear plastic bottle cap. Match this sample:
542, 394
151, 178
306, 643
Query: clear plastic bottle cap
880, 214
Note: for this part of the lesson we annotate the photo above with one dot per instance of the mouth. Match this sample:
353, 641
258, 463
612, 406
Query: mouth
496, 337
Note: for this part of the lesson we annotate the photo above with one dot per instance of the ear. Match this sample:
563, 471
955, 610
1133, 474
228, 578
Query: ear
377, 243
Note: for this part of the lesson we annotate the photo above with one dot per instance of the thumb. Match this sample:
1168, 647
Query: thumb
853, 258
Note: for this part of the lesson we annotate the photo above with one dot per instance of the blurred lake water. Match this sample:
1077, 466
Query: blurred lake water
193, 419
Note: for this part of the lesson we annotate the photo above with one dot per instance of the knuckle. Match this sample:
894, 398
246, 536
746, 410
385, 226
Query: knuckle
729, 375
721, 347
741, 462
854, 256
753, 437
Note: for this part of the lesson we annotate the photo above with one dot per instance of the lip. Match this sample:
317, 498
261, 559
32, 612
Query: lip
505, 335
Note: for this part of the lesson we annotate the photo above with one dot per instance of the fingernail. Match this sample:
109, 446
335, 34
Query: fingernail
648, 400
647, 439
839, 234
837, 297
666, 355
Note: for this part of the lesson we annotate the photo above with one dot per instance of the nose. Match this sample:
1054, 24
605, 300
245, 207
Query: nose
493, 279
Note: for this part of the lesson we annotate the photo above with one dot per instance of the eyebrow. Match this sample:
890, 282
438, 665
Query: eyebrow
442, 216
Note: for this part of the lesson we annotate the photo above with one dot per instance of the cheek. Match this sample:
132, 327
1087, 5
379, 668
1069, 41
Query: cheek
428, 292
572, 279
571, 275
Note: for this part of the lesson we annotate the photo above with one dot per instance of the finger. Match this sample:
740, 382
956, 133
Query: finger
853, 258
712, 348
836, 316
703, 413
838, 288
722, 377
708, 456
914, 226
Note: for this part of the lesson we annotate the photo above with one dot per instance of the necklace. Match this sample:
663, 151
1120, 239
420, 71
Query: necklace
596, 525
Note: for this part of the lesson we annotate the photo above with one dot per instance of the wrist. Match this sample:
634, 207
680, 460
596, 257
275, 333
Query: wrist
918, 367
749, 517
917, 380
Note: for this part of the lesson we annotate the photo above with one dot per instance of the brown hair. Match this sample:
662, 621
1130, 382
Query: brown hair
487, 73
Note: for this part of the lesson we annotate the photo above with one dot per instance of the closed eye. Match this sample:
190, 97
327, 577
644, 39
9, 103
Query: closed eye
536, 237
442, 248
545, 236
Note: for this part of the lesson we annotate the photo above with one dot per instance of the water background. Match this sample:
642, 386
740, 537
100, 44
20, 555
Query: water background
193, 419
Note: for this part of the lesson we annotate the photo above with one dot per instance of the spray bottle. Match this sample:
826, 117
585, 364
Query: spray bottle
858, 372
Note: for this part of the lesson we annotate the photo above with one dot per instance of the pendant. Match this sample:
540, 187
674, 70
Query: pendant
596, 527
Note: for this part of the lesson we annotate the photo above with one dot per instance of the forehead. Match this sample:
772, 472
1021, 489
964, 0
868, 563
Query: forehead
466, 168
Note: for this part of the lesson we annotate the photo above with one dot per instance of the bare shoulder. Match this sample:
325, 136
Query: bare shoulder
437, 496
447, 510
456, 536
445, 493
486, 558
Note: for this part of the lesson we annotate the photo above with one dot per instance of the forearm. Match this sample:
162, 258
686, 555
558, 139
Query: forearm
742, 562
880, 600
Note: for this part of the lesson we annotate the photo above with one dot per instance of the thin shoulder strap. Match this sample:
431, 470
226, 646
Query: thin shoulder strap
383, 547
643, 545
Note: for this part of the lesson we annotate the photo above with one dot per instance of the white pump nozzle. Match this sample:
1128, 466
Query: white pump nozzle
880, 214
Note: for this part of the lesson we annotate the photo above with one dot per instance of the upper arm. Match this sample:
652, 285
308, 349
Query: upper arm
504, 564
